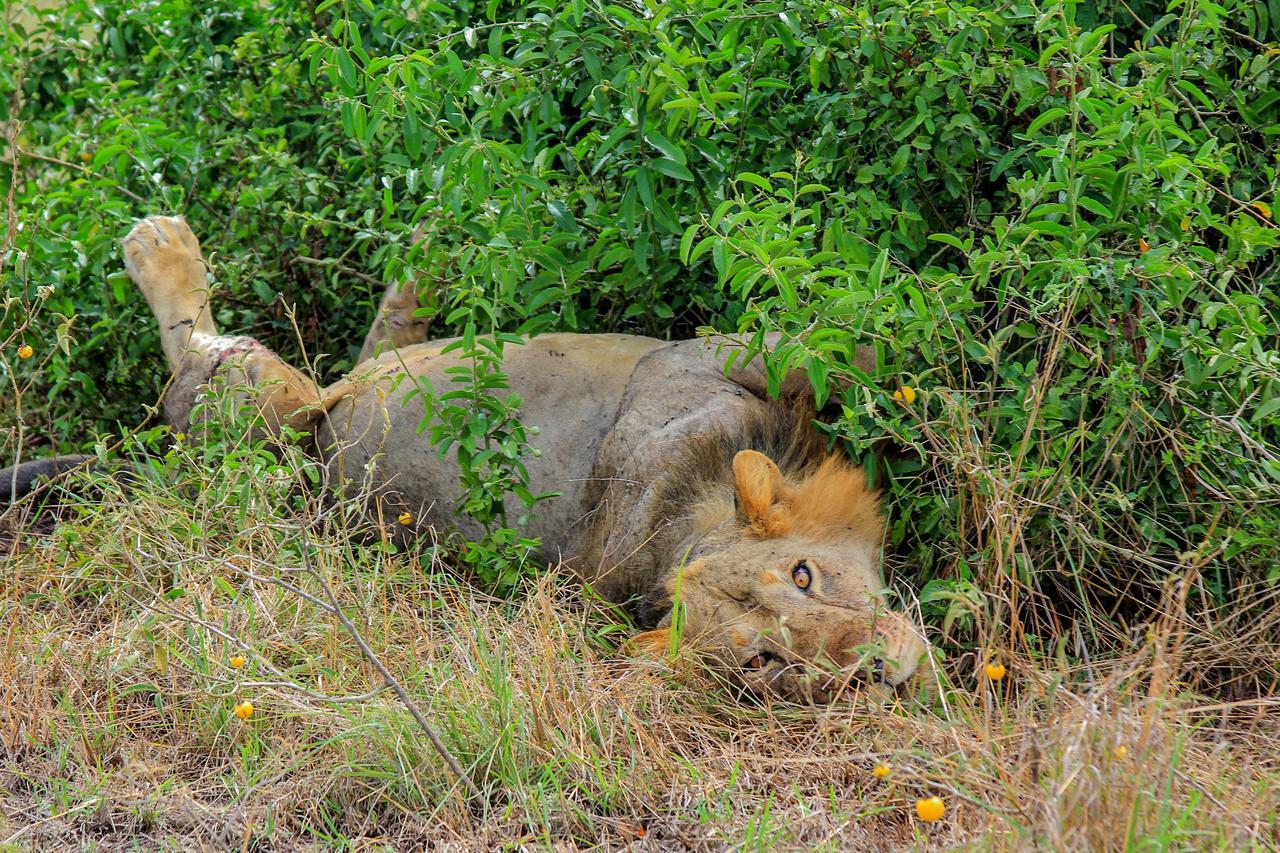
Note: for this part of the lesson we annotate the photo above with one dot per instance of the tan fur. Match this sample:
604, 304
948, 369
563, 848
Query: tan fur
749, 502
654, 643
763, 495
679, 481
397, 324
712, 510
693, 569
828, 521
163, 258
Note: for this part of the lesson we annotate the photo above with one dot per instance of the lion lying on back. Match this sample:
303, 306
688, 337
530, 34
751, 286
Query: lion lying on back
676, 480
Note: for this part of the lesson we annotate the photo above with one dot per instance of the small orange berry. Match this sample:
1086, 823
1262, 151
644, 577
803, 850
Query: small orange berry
995, 670
244, 710
237, 661
931, 809
906, 394
406, 518
1120, 752
1143, 245
881, 771
25, 351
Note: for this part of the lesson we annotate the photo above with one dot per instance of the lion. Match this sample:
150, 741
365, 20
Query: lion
684, 491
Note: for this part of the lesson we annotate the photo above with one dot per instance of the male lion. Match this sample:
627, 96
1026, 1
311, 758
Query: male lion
679, 482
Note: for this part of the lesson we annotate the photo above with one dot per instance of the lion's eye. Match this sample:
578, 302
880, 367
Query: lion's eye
802, 575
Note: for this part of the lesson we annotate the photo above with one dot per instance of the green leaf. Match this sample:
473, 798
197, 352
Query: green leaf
876, 274
686, 242
347, 74
1044, 118
672, 169
563, 216
756, 180
666, 146
412, 133
456, 67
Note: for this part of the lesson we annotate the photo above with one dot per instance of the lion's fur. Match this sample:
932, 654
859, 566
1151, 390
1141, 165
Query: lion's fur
676, 477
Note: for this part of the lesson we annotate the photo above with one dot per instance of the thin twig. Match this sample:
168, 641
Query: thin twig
342, 268
390, 680
22, 153
284, 680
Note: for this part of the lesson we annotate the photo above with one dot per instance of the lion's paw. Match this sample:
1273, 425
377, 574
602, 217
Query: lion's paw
161, 248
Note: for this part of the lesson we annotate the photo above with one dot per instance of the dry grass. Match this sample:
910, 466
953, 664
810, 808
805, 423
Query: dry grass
116, 723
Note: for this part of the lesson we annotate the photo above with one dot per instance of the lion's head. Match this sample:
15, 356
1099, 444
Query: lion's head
782, 588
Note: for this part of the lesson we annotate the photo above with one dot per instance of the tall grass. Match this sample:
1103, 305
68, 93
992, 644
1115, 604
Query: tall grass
117, 689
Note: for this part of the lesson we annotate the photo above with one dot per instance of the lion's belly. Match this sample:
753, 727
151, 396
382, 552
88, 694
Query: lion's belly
570, 387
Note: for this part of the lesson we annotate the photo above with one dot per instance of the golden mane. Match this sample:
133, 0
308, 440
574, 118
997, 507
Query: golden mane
831, 503
805, 489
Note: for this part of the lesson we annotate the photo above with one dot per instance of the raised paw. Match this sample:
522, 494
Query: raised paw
162, 253
163, 259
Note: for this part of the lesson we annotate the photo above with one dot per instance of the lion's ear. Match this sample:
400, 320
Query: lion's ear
760, 493
653, 643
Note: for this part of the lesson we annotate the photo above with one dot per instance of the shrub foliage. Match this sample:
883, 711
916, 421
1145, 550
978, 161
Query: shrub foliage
1052, 219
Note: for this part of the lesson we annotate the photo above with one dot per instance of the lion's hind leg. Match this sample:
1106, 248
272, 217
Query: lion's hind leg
397, 324
163, 258
400, 321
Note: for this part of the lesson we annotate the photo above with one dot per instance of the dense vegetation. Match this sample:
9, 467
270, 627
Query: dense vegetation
1052, 219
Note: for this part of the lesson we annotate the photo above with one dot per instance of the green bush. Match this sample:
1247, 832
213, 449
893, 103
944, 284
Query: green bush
1051, 218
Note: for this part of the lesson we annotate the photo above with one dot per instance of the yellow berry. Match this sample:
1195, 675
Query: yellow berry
237, 661
906, 393
995, 671
25, 351
244, 710
931, 809
1120, 752
882, 770
406, 518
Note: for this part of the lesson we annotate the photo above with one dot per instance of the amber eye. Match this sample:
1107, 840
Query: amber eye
802, 575
760, 661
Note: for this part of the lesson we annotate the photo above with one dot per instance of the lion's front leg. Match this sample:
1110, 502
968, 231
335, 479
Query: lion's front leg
163, 258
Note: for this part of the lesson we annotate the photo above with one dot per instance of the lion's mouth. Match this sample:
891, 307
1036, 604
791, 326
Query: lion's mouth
799, 681
761, 660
